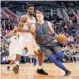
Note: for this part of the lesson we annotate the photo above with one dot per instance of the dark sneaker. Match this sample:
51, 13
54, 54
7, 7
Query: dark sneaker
41, 71
67, 73
16, 69
8, 68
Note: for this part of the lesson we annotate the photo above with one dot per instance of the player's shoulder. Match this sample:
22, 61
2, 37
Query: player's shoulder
24, 16
49, 23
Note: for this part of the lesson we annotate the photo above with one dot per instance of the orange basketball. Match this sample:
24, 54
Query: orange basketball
61, 38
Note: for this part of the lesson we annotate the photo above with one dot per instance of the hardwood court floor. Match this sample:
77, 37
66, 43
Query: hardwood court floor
28, 71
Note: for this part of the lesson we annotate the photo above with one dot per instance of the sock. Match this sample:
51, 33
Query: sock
53, 59
40, 67
9, 65
17, 63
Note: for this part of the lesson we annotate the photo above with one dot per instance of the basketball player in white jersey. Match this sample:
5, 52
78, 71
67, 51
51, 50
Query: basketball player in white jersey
13, 38
26, 31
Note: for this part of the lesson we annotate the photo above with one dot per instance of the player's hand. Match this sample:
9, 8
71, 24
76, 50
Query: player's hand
28, 24
32, 33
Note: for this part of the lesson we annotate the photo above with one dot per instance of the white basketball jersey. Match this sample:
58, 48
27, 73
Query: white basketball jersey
31, 20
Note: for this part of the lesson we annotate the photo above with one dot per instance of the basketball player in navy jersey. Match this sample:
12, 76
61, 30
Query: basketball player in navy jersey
45, 38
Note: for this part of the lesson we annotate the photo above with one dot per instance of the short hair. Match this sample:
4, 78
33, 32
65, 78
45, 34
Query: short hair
39, 11
30, 5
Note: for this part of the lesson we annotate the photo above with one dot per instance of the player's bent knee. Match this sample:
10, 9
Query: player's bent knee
18, 57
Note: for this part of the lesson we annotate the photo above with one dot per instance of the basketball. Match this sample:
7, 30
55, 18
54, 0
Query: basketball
61, 38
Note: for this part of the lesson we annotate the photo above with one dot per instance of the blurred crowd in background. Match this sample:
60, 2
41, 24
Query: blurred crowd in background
64, 16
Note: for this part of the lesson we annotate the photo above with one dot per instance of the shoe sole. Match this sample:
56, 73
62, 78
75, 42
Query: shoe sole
16, 70
41, 73
68, 74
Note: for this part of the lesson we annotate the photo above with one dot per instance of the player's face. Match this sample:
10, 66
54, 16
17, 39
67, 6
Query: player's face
39, 16
31, 10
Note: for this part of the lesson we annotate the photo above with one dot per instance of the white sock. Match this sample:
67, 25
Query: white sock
17, 63
40, 67
9, 65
